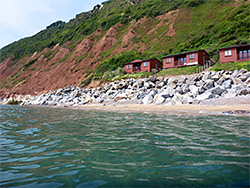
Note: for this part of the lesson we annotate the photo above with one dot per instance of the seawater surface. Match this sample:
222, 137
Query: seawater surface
47, 147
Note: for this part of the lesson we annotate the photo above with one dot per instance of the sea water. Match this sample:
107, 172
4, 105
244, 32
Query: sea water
48, 147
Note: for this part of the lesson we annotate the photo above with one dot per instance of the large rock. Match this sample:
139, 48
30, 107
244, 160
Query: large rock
227, 84
120, 97
218, 90
141, 95
235, 80
194, 90
243, 78
165, 94
216, 77
244, 91
187, 99
208, 84
206, 95
206, 76
148, 99
152, 79
160, 100
220, 81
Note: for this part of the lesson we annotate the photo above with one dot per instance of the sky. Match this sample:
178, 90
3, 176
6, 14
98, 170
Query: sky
24, 18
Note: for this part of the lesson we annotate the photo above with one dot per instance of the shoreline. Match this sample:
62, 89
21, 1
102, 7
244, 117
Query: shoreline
190, 109
223, 92
186, 109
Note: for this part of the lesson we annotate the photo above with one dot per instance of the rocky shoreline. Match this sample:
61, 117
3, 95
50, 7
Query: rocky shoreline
167, 91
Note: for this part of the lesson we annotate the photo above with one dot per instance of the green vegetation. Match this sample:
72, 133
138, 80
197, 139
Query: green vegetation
87, 81
133, 75
116, 61
27, 65
178, 71
231, 66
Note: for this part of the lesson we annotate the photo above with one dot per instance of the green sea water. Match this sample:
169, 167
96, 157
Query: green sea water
46, 147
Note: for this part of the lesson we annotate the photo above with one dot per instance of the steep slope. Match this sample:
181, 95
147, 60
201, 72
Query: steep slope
88, 46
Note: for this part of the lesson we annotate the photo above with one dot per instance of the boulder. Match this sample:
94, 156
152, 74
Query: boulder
152, 79
206, 95
216, 77
220, 81
206, 76
243, 92
160, 84
218, 90
165, 94
187, 99
199, 83
141, 95
160, 100
235, 80
194, 90
120, 97
208, 84
227, 84
148, 99
176, 100
243, 78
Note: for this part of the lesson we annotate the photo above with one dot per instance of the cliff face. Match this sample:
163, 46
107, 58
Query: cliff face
73, 61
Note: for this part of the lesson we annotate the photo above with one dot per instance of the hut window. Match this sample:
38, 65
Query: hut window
128, 66
145, 64
228, 53
168, 60
191, 56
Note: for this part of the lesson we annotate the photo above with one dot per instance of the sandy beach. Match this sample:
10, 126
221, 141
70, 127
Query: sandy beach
227, 106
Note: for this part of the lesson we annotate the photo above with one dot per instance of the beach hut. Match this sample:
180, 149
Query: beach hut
235, 53
197, 57
143, 65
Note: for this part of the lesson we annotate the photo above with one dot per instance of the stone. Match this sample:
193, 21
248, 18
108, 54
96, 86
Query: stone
220, 81
242, 71
243, 78
227, 84
179, 90
148, 99
160, 100
141, 95
153, 92
244, 92
187, 99
206, 76
218, 90
185, 88
235, 80
176, 100
88, 99
152, 79
160, 85
216, 77
194, 90
230, 95
247, 81
208, 84
206, 95
120, 97
199, 83
235, 73
201, 90
165, 94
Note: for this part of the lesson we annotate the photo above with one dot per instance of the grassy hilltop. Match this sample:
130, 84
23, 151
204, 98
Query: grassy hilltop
97, 42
